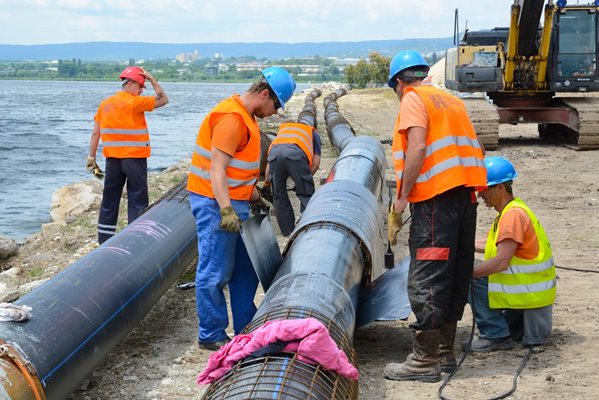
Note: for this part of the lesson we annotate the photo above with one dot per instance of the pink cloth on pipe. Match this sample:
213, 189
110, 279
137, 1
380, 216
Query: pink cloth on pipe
313, 345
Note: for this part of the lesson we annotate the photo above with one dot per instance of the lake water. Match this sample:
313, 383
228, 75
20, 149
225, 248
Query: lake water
45, 127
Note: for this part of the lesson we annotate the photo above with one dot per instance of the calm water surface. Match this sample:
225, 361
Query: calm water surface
44, 139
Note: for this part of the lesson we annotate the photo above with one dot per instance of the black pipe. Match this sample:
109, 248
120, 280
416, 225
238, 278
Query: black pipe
308, 114
82, 313
335, 250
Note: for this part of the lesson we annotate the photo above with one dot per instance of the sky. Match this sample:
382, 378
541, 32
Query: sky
203, 21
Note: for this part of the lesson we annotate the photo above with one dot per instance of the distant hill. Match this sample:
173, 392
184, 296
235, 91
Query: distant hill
115, 51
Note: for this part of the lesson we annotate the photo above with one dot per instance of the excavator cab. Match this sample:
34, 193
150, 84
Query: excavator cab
474, 65
573, 55
526, 70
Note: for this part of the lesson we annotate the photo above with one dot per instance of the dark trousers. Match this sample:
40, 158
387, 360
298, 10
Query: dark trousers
134, 172
441, 242
289, 161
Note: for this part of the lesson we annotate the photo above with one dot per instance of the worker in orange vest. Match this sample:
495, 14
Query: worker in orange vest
295, 152
438, 166
121, 124
224, 170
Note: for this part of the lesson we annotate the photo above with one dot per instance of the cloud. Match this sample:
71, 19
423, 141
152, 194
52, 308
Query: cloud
188, 21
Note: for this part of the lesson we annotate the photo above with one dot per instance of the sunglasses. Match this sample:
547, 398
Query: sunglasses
275, 100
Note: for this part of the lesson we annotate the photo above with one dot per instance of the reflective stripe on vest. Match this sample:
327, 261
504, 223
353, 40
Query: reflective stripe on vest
448, 164
125, 144
522, 289
108, 131
234, 163
244, 168
527, 269
453, 153
298, 134
124, 132
231, 182
526, 283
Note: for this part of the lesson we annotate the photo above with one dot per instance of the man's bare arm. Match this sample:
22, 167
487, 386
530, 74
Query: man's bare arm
505, 251
218, 177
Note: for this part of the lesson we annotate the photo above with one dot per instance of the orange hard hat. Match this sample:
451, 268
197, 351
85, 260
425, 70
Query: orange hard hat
135, 74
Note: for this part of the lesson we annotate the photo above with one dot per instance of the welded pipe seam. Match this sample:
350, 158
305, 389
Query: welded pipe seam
343, 217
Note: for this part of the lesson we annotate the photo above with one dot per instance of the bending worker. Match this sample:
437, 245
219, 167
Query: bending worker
514, 288
222, 181
438, 164
121, 123
295, 152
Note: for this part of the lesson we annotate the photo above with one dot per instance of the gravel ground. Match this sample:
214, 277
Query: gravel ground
160, 358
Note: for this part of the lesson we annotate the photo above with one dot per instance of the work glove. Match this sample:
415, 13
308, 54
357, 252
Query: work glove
259, 205
93, 167
394, 225
265, 191
230, 221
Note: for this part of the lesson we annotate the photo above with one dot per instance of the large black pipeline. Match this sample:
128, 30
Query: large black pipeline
308, 114
82, 313
336, 249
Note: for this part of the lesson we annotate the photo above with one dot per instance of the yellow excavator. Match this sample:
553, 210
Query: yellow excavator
531, 73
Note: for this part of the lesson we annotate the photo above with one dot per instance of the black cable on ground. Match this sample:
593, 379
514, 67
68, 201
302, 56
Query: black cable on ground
465, 353
468, 346
578, 269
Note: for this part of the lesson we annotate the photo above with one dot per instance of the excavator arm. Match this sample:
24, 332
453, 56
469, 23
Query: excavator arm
526, 58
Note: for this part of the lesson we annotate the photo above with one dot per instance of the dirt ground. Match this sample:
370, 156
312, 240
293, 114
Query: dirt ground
160, 358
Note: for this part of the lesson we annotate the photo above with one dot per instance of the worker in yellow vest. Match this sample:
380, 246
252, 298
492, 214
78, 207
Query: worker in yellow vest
121, 124
224, 170
294, 153
514, 288
438, 166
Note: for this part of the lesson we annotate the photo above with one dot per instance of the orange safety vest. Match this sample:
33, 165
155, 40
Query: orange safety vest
453, 154
298, 134
124, 132
244, 169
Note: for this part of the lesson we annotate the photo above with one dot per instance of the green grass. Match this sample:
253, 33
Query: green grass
35, 272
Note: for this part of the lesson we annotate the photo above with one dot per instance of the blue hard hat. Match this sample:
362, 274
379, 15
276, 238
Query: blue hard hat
281, 83
403, 60
499, 170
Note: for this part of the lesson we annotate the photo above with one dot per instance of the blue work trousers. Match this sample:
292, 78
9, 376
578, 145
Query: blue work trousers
223, 260
491, 324
533, 325
133, 172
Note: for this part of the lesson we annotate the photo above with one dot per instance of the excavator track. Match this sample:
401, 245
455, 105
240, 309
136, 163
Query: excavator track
588, 117
485, 119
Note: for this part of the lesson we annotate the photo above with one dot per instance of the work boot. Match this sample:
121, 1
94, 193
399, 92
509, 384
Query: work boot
447, 360
213, 345
423, 363
482, 345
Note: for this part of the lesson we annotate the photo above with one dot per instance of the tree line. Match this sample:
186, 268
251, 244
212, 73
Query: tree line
166, 70
374, 71
370, 72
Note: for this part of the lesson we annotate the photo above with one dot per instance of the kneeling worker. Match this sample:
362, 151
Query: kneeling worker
514, 288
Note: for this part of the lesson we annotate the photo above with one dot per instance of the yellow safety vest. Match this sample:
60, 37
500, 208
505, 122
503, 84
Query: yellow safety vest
526, 283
